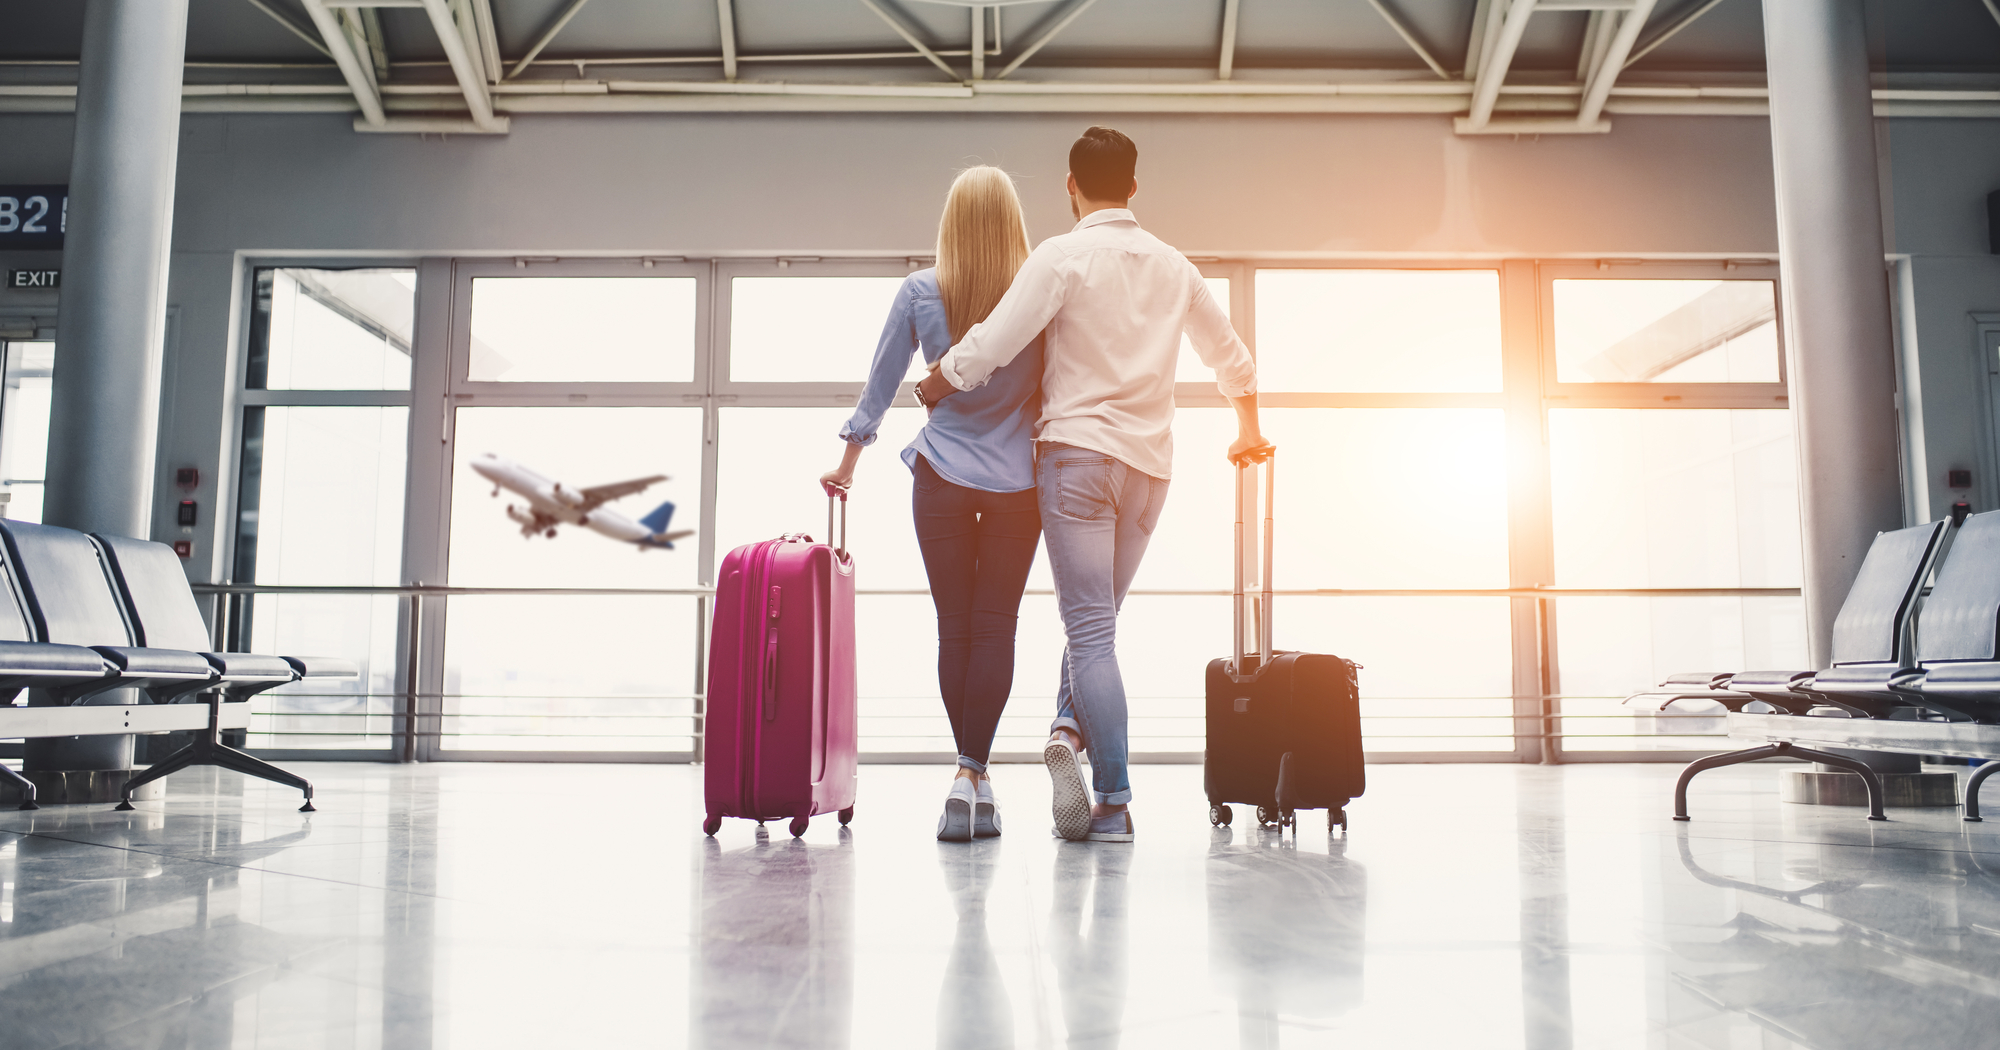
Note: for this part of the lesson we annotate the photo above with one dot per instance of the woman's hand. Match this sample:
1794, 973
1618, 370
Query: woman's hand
837, 480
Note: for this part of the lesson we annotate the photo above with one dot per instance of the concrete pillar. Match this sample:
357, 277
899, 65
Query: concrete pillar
104, 414
1836, 295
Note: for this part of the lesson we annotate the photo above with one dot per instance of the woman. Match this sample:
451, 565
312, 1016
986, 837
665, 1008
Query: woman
977, 522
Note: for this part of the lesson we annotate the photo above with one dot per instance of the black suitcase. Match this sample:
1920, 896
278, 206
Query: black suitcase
1284, 729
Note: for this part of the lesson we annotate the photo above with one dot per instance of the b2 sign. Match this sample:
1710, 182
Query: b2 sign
33, 216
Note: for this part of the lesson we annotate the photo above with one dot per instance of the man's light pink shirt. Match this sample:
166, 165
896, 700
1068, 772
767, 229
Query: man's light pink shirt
1113, 301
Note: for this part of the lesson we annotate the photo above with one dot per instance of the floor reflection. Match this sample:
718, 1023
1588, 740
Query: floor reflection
1088, 937
127, 903
1847, 947
775, 944
974, 1011
1286, 929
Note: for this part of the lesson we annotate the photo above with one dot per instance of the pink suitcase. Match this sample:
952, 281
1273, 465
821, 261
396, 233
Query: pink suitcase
779, 733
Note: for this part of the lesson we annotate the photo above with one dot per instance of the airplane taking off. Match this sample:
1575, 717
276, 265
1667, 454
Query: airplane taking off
550, 504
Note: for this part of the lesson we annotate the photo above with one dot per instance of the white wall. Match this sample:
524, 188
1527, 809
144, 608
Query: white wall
1942, 171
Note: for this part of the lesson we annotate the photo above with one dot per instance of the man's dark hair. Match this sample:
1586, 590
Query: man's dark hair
1103, 161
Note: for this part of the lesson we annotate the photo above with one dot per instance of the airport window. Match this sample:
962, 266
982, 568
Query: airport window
331, 329
1666, 331
24, 427
582, 330
513, 679
1368, 331
801, 329
1411, 413
320, 496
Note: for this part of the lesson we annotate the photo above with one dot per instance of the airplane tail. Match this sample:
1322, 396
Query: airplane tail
656, 523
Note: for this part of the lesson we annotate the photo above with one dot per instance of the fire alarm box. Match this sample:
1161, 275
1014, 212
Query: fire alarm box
184, 548
1958, 479
187, 478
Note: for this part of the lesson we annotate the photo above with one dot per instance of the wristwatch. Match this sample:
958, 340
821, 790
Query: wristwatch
918, 389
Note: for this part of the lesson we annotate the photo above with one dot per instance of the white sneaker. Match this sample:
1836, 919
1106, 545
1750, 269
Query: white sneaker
955, 823
986, 812
1114, 827
1071, 805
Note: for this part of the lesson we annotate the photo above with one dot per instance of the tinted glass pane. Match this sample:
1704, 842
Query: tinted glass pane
321, 502
582, 330
331, 329
579, 448
24, 428
1652, 331
767, 485
1610, 648
1674, 498
1413, 331
807, 329
570, 673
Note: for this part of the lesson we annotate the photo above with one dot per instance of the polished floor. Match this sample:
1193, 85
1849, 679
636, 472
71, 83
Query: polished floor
1472, 906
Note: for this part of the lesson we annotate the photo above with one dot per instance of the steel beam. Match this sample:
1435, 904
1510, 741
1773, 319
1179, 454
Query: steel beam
1493, 66
1612, 62
909, 37
489, 39
1409, 37
1681, 23
297, 30
1062, 20
978, 42
464, 66
334, 30
725, 20
535, 49
1226, 64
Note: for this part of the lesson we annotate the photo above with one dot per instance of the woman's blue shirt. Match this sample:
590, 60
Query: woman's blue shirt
981, 439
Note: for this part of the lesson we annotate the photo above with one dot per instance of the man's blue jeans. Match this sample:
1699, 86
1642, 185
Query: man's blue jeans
1097, 516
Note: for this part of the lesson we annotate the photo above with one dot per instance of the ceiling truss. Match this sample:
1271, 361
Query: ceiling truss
1478, 95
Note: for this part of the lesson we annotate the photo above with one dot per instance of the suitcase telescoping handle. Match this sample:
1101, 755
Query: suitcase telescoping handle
833, 496
1240, 669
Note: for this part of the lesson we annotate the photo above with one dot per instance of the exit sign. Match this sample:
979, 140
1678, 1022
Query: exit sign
33, 216
34, 279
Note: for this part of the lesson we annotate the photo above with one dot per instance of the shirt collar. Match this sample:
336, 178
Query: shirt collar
1098, 218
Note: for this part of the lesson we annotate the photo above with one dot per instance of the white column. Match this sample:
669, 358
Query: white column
1836, 295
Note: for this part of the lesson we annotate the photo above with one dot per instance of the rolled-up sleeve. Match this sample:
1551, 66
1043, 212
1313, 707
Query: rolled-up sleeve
1216, 342
1031, 301
885, 374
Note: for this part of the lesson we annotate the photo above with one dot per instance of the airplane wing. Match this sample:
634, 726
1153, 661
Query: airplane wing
598, 495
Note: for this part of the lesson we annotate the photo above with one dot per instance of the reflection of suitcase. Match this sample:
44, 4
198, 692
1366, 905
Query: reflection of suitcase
775, 925
1284, 729
778, 738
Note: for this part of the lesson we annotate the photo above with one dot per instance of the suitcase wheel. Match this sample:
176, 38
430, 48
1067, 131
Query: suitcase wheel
1219, 815
1286, 818
1336, 817
1266, 816
712, 824
846, 816
799, 825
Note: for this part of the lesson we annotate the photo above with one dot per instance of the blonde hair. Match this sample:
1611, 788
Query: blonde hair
982, 241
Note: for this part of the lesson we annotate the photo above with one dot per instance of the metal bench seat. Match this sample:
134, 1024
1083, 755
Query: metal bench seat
148, 579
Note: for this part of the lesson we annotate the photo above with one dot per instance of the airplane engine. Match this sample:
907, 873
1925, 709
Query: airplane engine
568, 496
517, 514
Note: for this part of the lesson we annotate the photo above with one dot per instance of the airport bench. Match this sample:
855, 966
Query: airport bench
1875, 654
126, 604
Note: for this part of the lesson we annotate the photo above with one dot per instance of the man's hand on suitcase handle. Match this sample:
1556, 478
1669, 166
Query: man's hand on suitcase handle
1249, 446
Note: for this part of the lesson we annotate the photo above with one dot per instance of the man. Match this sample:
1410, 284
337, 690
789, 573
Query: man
1112, 301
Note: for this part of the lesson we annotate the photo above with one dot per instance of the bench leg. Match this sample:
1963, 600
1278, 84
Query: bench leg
1780, 749
1972, 790
1716, 762
28, 787
209, 750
